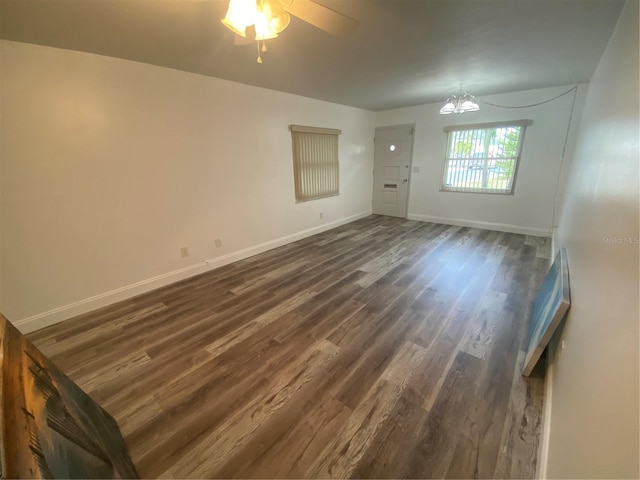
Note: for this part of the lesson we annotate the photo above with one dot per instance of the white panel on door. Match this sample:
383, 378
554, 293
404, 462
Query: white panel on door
390, 198
391, 173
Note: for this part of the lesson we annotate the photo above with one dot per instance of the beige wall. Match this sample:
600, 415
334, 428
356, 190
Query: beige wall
594, 397
109, 167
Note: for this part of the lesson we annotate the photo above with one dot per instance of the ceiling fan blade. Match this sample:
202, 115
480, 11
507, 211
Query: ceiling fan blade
322, 17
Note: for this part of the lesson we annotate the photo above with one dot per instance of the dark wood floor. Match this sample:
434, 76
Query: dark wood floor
385, 348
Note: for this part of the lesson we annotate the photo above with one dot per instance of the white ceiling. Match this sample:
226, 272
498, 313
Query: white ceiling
404, 52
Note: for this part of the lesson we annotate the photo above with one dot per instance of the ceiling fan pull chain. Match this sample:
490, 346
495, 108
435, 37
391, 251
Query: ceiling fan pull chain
264, 47
259, 57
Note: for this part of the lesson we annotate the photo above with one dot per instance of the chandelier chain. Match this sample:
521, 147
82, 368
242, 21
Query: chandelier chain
533, 104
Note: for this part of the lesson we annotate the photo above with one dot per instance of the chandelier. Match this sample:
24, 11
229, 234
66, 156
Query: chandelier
461, 103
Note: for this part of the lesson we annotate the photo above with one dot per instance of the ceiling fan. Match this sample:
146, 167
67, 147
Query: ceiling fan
260, 20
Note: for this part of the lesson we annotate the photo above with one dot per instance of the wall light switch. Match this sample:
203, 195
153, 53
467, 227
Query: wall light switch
416, 169
218, 243
184, 251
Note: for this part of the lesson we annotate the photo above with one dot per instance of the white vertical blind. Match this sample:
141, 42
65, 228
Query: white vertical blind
315, 162
483, 158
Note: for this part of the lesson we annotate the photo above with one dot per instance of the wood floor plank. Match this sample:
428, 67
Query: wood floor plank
442, 429
521, 434
212, 450
392, 447
294, 453
374, 363
384, 348
345, 451
483, 327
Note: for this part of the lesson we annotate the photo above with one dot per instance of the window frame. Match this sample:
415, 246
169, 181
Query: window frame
522, 124
326, 177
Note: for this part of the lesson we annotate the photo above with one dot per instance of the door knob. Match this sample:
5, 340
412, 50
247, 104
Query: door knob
405, 180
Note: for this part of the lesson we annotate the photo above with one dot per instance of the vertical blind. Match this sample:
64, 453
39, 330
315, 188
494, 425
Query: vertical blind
315, 162
483, 158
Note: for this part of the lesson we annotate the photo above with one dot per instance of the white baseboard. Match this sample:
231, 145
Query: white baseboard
501, 227
59, 314
263, 247
543, 451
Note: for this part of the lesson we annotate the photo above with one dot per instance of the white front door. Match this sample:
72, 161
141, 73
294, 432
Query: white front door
391, 170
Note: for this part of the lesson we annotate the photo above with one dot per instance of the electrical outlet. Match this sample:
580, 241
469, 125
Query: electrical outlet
184, 252
321, 214
218, 243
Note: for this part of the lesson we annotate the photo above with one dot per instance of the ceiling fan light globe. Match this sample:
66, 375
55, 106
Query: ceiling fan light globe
281, 22
271, 8
240, 15
264, 30
237, 29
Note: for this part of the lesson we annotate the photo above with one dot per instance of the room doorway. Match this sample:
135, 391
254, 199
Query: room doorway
392, 170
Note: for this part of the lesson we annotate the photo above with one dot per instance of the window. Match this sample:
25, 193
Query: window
483, 158
315, 162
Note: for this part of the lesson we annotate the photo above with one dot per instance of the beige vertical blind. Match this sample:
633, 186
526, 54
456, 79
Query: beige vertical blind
315, 162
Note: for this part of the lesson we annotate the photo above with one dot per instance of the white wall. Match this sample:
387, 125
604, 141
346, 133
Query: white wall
530, 209
594, 389
110, 166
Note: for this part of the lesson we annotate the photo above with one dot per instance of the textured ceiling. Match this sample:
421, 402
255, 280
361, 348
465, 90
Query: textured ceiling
404, 52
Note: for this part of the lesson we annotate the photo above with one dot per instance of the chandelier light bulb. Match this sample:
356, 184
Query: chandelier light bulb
461, 103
